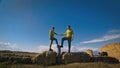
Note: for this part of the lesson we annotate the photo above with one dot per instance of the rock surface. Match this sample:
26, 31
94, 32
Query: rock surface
75, 57
45, 58
112, 49
89, 52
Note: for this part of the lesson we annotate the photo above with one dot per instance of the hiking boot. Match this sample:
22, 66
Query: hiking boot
61, 46
50, 50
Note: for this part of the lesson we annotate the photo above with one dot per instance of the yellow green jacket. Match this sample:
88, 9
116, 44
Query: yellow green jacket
69, 33
52, 33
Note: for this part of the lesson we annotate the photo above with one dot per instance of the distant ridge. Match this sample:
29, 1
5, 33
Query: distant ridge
9, 51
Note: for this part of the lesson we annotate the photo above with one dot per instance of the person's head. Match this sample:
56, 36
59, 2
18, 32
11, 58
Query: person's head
68, 27
53, 28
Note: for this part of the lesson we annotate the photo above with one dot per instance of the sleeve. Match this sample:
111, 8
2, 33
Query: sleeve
72, 34
55, 33
64, 34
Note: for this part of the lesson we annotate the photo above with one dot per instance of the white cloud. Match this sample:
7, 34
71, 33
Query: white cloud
104, 38
114, 35
8, 46
114, 31
43, 48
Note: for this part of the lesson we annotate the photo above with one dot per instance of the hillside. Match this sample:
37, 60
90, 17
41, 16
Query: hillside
112, 49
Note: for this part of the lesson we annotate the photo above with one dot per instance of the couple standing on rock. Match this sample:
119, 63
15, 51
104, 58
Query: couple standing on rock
69, 34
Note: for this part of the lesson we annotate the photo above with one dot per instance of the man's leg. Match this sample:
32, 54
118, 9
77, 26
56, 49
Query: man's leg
62, 41
56, 41
51, 41
69, 45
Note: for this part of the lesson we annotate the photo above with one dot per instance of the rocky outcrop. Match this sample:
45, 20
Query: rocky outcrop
89, 52
112, 49
45, 58
75, 57
38, 59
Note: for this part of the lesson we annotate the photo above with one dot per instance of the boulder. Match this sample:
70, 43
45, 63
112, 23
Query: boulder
38, 59
49, 57
89, 52
45, 58
75, 57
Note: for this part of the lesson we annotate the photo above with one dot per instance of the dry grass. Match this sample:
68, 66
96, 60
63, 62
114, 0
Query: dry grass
87, 65
72, 65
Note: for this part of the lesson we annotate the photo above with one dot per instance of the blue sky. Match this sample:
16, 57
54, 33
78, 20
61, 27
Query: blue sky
25, 24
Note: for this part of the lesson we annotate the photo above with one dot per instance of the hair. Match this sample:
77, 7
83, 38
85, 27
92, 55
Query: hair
53, 27
69, 26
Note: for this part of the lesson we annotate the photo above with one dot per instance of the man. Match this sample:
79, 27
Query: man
51, 36
69, 34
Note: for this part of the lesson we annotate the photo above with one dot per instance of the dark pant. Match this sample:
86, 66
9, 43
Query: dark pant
51, 41
69, 42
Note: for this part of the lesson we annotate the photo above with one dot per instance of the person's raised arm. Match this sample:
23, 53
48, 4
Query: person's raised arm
62, 34
72, 34
56, 33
